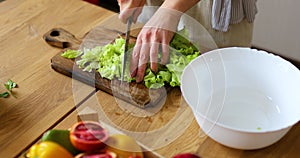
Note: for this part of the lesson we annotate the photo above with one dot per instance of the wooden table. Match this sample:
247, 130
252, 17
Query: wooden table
44, 97
47, 99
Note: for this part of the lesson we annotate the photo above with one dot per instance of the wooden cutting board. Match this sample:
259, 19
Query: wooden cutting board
134, 93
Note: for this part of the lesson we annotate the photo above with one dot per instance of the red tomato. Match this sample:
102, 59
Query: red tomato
88, 136
186, 155
97, 154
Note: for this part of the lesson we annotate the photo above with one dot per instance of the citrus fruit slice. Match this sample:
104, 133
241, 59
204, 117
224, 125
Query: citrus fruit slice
88, 136
97, 154
124, 146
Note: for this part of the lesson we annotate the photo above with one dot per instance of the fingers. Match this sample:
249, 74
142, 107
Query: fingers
166, 39
147, 49
139, 60
135, 58
130, 8
143, 60
165, 54
154, 56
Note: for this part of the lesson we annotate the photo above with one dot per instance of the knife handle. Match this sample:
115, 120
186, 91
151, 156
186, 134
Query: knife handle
58, 37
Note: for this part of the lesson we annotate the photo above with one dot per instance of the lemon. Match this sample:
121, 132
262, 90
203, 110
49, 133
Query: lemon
124, 146
61, 137
48, 149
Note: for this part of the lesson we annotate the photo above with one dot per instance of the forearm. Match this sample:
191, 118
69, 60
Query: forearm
179, 5
171, 11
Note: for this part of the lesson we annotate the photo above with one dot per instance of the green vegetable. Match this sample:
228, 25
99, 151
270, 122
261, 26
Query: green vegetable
61, 137
9, 85
71, 53
181, 44
4, 95
107, 60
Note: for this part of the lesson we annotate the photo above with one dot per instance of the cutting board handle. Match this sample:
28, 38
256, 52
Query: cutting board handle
61, 38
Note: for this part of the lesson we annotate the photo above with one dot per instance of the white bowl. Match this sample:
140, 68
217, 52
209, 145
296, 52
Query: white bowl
241, 97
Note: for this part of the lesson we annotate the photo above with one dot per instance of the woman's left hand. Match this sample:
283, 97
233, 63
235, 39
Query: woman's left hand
157, 33
147, 46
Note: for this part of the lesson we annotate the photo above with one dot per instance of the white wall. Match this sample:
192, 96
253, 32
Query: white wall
277, 27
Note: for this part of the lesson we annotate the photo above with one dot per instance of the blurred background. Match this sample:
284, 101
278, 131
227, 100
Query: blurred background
275, 28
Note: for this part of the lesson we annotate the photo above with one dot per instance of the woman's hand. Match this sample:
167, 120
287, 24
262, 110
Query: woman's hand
148, 44
154, 37
130, 8
157, 33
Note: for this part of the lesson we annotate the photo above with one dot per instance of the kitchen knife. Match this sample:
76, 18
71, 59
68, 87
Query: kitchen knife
127, 34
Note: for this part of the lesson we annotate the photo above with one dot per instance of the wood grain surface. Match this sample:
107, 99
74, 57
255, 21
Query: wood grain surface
47, 99
44, 96
178, 131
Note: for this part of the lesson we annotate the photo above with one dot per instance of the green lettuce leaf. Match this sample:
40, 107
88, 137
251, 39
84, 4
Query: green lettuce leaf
71, 54
107, 60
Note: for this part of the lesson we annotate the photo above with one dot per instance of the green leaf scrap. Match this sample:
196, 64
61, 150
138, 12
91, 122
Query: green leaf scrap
9, 85
71, 54
4, 95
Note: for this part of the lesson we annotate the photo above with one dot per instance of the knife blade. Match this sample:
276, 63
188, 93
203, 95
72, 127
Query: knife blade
127, 34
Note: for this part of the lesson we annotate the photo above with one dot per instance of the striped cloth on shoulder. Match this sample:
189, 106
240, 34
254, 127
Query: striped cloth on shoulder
226, 12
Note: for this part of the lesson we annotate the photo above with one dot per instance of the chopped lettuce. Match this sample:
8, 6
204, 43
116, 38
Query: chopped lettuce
107, 60
71, 53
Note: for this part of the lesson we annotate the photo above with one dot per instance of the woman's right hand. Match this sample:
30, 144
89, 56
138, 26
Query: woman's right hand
130, 8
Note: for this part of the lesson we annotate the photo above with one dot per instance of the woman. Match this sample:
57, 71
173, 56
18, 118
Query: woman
229, 22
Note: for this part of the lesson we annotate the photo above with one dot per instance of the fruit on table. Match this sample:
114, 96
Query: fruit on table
61, 137
88, 136
48, 149
186, 155
124, 146
97, 154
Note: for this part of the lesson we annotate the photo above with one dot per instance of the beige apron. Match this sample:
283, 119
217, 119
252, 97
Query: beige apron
237, 35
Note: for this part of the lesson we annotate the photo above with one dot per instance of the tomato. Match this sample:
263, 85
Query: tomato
136, 156
88, 136
48, 149
186, 155
97, 154
124, 146
61, 137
